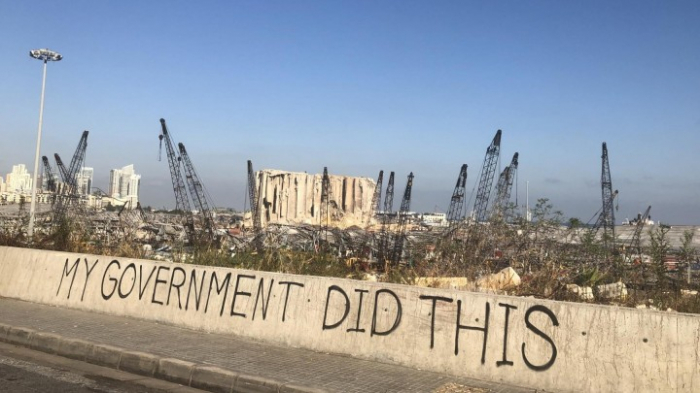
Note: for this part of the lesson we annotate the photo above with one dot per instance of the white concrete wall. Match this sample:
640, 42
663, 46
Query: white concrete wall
528, 342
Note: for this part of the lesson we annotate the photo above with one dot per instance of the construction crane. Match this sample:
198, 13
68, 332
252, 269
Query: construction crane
197, 194
504, 188
501, 185
70, 179
374, 207
456, 211
400, 235
48, 174
61, 168
324, 217
77, 161
635, 243
488, 171
69, 175
333, 212
253, 198
377, 196
63, 172
388, 205
181, 200
606, 219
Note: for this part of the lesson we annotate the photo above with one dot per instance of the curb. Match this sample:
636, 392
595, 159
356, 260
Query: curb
209, 378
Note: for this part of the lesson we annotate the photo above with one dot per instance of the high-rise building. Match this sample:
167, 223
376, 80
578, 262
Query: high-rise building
19, 180
84, 180
124, 185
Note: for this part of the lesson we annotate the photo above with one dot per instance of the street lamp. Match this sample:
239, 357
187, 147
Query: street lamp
44, 55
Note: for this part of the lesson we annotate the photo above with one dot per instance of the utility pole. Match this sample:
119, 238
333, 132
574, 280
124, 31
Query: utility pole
44, 55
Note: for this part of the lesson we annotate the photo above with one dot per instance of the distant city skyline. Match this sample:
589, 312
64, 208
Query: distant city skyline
123, 183
364, 86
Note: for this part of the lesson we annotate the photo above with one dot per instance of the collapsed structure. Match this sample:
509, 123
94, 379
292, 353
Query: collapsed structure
295, 198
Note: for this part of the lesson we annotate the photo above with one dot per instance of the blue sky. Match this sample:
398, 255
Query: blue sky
360, 86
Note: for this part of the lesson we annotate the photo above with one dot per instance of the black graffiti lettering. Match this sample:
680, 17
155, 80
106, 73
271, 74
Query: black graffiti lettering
87, 275
66, 272
223, 287
236, 292
434, 299
485, 329
387, 305
158, 281
504, 361
359, 312
128, 267
261, 294
286, 295
114, 280
176, 286
335, 288
143, 285
397, 320
538, 332
197, 294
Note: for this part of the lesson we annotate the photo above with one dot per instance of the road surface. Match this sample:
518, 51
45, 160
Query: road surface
26, 371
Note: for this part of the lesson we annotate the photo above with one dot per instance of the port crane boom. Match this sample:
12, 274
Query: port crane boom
61, 168
253, 196
70, 179
324, 216
181, 201
197, 193
456, 210
388, 205
504, 188
400, 236
377, 195
488, 171
606, 219
48, 174
635, 243
77, 161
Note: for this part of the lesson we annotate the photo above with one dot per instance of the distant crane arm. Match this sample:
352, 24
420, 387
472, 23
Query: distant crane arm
179, 188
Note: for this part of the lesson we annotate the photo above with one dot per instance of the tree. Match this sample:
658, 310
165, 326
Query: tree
659, 249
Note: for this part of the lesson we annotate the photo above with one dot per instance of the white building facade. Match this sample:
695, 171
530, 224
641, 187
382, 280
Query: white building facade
124, 185
84, 180
19, 180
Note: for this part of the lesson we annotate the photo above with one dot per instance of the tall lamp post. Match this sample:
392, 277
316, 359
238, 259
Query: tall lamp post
44, 55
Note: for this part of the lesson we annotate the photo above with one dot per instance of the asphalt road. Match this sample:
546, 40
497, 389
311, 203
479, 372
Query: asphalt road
25, 371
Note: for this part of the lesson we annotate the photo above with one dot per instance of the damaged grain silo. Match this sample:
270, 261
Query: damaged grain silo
295, 198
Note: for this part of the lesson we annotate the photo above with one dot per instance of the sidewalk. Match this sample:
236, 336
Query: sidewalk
212, 361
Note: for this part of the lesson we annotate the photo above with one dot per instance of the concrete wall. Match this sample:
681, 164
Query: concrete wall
528, 342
